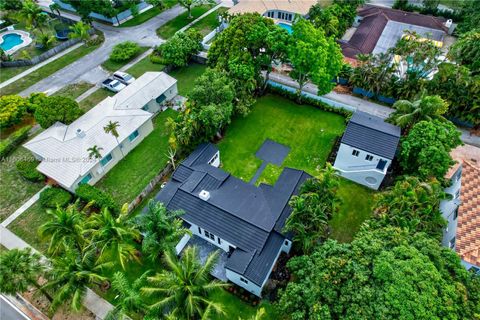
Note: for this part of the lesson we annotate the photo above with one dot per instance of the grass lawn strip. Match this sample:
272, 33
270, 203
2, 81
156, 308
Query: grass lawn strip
46, 70
114, 65
143, 66
187, 76
209, 23
168, 29
14, 189
7, 73
128, 178
93, 99
149, 14
74, 90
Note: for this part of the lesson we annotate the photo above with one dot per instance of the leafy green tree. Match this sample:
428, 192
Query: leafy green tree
427, 108
189, 4
80, 31
33, 15
431, 4
425, 151
46, 41
71, 274
313, 57
7, 5
385, 273
161, 230
128, 296
64, 229
183, 288
247, 46
208, 111
374, 73
57, 108
178, 50
19, 270
55, 7
312, 208
124, 51
413, 205
461, 90
334, 19
113, 236
471, 17
12, 110
466, 50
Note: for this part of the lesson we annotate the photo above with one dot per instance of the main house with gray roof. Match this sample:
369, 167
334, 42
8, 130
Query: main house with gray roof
241, 219
367, 149
63, 150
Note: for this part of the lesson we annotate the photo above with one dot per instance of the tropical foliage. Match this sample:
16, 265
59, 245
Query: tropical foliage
335, 19
12, 110
178, 50
57, 108
466, 50
55, 197
80, 31
124, 51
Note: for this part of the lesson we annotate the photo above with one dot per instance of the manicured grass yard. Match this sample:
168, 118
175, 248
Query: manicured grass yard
46, 70
74, 90
93, 99
128, 178
7, 73
143, 66
168, 29
238, 309
209, 23
186, 77
149, 14
115, 65
14, 189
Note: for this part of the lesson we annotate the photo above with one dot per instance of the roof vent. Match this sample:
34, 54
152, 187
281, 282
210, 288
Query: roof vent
204, 195
448, 23
80, 133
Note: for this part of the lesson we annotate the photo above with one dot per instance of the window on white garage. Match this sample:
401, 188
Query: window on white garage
369, 157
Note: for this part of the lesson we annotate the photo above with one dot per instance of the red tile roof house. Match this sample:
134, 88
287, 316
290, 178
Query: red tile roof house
380, 28
462, 212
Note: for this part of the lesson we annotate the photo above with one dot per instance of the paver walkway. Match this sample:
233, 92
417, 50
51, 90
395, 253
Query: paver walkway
23, 208
92, 301
270, 152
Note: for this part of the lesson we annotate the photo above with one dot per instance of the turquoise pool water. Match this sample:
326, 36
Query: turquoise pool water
10, 40
286, 27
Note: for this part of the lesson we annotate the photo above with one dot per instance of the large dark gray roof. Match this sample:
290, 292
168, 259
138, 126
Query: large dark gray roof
201, 155
372, 134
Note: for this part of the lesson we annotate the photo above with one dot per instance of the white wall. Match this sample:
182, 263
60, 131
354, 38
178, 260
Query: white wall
170, 93
250, 286
449, 206
98, 171
215, 161
358, 169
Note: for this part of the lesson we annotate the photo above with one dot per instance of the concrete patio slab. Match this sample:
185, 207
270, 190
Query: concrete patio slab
273, 152
204, 249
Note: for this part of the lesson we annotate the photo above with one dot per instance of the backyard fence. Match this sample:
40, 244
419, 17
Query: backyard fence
151, 185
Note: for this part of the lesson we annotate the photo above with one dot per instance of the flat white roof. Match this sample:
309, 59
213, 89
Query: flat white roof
64, 150
261, 6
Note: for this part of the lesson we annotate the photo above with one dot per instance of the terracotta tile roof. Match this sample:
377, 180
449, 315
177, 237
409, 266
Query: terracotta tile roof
468, 228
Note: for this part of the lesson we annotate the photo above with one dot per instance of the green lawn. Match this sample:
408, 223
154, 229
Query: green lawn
115, 65
186, 77
143, 66
7, 73
74, 90
128, 178
27, 224
93, 99
168, 29
209, 23
147, 15
14, 189
309, 132
46, 70
235, 308
355, 208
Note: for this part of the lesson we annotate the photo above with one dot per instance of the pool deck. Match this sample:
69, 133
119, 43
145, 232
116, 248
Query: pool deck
24, 36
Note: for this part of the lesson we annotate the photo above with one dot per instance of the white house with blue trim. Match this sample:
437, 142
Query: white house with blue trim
64, 149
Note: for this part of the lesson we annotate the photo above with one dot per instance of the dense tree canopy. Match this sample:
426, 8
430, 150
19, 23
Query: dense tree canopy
178, 50
57, 108
466, 50
12, 110
425, 151
383, 274
335, 19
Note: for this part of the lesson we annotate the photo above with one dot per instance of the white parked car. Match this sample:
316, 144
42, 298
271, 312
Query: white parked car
123, 77
113, 85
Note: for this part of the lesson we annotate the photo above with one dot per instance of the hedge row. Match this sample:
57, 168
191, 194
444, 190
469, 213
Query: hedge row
99, 198
28, 170
308, 100
13, 141
55, 196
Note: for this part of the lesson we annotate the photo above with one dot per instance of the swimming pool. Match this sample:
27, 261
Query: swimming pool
285, 26
11, 40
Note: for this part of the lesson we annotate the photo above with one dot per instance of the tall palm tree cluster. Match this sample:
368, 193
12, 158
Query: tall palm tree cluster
90, 249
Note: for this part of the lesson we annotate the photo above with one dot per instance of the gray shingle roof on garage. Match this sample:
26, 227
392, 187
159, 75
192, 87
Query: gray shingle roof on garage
372, 134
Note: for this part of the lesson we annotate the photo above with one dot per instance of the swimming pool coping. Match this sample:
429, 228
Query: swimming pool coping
24, 36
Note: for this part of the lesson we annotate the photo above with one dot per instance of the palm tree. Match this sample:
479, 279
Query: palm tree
129, 299
80, 31
64, 229
161, 229
427, 108
20, 269
183, 288
46, 41
112, 128
94, 152
70, 275
113, 236
33, 14
55, 7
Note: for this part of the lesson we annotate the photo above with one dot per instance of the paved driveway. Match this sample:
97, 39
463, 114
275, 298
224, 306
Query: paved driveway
87, 67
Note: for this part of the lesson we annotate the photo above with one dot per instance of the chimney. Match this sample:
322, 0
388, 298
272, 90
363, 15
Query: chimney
448, 23
80, 133
204, 195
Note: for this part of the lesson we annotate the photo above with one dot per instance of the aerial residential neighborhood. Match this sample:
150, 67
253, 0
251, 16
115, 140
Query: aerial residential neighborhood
246, 159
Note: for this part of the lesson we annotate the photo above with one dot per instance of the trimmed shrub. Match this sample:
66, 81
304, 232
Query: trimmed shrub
124, 51
55, 196
13, 141
156, 59
100, 198
12, 110
28, 170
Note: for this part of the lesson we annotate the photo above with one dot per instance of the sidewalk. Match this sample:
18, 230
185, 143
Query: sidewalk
92, 301
201, 17
23, 208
